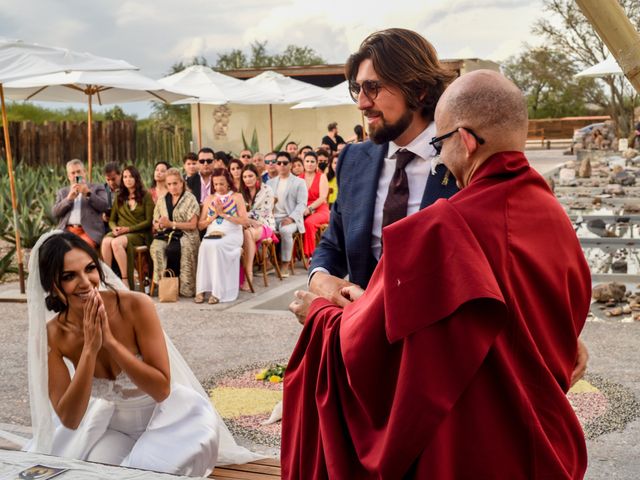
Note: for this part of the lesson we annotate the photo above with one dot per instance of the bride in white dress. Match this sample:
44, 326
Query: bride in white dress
105, 383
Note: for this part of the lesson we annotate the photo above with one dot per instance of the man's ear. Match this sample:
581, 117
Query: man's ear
470, 143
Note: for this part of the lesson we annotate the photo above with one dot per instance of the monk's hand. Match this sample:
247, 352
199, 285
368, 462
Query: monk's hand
351, 293
582, 357
329, 287
300, 306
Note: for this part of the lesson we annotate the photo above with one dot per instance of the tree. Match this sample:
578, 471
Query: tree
574, 36
259, 57
547, 78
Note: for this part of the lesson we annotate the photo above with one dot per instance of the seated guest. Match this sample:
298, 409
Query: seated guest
258, 198
235, 169
333, 181
221, 160
323, 159
292, 149
332, 139
130, 223
223, 216
304, 150
359, 135
158, 187
271, 168
106, 384
317, 211
245, 156
258, 161
175, 244
291, 195
297, 167
190, 165
79, 206
112, 177
200, 184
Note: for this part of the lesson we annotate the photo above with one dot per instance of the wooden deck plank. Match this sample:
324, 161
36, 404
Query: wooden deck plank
266, 469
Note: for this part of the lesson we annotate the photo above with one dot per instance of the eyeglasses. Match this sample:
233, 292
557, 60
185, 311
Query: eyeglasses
208, 161
436, 142
371, 88
245, 156
270, 162
282, 163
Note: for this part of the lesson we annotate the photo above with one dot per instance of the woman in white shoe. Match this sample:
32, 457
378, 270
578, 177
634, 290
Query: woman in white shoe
223, 216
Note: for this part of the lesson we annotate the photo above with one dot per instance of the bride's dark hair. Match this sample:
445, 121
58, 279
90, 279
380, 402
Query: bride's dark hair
51, 263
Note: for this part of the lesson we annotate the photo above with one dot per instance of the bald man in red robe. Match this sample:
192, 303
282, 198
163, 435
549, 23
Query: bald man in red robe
456, 361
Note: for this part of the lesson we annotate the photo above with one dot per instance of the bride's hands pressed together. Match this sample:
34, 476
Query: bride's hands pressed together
92, 323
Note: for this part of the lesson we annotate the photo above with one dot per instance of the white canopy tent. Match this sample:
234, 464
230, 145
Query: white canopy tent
609, 66
210, 87
334, 96
19, 60
279, 89
107, 87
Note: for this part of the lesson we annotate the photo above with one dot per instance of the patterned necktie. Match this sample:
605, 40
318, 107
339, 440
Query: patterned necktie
395, 206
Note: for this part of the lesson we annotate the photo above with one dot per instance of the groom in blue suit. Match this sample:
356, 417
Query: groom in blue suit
396, 80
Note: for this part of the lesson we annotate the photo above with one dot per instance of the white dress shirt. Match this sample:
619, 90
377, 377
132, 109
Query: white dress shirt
75, 218
417, 170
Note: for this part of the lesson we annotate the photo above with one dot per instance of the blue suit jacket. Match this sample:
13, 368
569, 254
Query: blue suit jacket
345, 247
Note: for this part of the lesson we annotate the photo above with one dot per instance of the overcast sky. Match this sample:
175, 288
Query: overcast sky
154, 34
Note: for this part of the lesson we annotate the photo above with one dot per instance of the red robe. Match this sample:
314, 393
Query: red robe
455, 362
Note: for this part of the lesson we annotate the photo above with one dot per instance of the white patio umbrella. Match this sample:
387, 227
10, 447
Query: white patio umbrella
19, 60
332, 97
210, 87
120, 86
279, 89
609, 66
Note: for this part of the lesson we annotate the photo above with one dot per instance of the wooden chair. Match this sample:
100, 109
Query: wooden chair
267, 251
298, 252
320, 231
142, 259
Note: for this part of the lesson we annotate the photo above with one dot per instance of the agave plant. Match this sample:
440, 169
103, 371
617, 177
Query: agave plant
254, 145
32, 227
6, 263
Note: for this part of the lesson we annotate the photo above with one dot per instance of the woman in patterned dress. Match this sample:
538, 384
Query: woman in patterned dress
175, 245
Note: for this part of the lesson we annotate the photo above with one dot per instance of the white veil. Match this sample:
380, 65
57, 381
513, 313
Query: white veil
42, 413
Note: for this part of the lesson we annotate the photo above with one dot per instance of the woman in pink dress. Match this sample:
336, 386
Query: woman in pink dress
317, 211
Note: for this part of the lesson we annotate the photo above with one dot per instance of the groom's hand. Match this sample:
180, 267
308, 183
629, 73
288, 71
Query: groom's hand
329, 287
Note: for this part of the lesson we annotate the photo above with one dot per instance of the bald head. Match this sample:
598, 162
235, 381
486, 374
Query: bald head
489, 102
481, 113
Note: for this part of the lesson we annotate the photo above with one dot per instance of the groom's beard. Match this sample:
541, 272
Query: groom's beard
387, 132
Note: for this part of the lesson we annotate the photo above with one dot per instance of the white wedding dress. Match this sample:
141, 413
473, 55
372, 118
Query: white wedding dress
182, 435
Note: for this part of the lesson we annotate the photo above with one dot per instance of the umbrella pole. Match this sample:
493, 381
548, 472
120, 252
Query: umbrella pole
199, 128
12, 184
271, 128
90, 139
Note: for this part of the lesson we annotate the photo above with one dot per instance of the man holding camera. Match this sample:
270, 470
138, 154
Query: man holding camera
79, 206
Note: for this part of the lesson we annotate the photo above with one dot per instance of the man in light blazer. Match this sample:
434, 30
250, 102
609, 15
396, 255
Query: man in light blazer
79, 206
291, 200
395, 78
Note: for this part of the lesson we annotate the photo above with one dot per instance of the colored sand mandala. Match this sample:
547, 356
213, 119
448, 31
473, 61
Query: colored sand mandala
602, 406
245, 403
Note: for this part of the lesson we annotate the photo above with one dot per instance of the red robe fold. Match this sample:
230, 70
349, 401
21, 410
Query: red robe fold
455, 362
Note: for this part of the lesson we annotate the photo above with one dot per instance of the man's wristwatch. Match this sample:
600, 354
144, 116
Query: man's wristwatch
312, 210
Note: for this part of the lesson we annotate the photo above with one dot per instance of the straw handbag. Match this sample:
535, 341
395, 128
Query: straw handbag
168, 287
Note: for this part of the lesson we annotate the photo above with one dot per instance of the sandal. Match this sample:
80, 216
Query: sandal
213, 300
199, 298
245, 287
